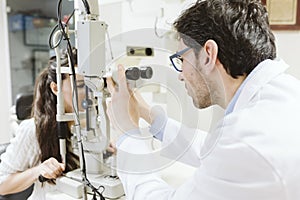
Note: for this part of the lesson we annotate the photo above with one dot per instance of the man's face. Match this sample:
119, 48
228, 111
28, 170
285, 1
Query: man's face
195, 81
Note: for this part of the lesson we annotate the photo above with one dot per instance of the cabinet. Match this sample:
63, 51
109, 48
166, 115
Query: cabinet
35, 29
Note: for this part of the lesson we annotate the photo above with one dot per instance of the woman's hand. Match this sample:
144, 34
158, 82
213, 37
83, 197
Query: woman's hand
51, 168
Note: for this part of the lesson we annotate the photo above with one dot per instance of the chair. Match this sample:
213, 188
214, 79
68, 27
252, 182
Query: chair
23, 105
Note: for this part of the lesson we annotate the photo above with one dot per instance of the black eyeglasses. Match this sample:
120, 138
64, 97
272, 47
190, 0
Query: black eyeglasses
176, 59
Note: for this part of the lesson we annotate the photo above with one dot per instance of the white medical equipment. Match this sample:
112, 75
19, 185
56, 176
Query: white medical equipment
91, 141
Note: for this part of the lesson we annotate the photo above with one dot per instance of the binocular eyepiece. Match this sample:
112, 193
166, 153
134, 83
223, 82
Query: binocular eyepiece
135, 73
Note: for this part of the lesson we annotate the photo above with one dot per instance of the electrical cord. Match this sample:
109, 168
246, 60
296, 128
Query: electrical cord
87, 6
72, 14
50, 38
53, 31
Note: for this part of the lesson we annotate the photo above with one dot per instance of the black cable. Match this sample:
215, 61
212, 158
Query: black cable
50, 38
54, 29
87, 6
71, 15
96, 191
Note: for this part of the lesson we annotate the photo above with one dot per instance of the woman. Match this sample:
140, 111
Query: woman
35, 149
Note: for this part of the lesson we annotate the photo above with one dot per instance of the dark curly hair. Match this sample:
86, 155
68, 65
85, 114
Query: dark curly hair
239, 27
44, 113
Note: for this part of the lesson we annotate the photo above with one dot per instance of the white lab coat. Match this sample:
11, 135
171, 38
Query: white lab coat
252, 154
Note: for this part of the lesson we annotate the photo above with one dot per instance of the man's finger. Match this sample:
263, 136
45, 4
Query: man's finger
110, 149
121, 78
110, 85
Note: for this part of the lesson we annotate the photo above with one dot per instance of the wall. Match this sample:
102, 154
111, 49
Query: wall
5, 86
288, 48
48, 8
110, 11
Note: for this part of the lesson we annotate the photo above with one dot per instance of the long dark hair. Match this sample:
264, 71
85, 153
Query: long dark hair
44, 113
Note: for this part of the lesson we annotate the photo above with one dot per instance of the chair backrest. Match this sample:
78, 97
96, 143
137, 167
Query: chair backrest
23, 105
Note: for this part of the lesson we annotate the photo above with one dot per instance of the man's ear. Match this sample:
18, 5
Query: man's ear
209, 56
53, 87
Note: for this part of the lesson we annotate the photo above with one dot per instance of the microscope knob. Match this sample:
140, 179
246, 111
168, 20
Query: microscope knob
146, 72
132, 73
86, 103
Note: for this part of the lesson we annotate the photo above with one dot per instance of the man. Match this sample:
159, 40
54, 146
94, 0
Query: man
228, 58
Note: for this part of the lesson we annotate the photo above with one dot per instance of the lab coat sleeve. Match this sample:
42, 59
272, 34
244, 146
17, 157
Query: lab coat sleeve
159, 123
139, 180
181, 143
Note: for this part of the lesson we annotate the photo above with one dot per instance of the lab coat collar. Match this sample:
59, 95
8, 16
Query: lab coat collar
263, 73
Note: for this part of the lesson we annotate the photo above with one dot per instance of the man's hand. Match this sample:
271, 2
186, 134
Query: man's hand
143, 107
122, 110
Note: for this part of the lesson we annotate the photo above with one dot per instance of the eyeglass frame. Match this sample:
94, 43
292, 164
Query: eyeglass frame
178, 55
